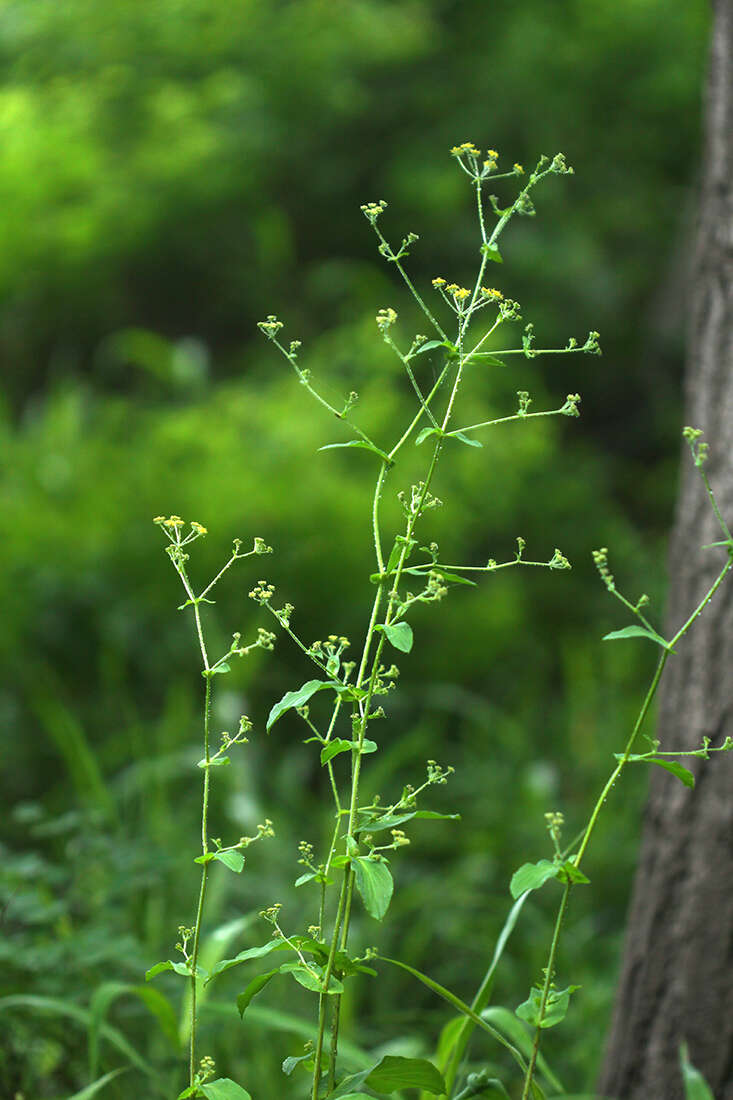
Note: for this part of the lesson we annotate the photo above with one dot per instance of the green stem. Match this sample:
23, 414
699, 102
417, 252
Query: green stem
204, 872
651, 692
345, 900
546, 990
322, 1005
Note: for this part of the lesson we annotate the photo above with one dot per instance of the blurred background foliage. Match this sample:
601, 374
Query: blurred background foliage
170, 173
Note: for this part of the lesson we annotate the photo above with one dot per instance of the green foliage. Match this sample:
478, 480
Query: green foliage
147, 183
357, 683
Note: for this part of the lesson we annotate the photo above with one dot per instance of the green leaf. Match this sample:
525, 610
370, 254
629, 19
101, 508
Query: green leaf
307, 877
423, 434
333, 748
178, 967
569, 873
97, 1086
290, 1063
245, 956
556, 1007
339, 745
430, 345
391, 821
362, 443
217, 762
491, 252
671, 766
637, 632
375, 884
298, 698
310, 980
255, 986
224, 1089
531, 876
233, 860
465, 439
399, 635
423, 571
395, 1072
487, 358
696, 1088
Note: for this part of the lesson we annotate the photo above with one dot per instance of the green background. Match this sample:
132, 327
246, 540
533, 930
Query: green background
170, 173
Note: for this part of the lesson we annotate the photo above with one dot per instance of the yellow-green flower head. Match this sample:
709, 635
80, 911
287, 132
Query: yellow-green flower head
372, 210
173, 521
385, 318
198, 528
492, 293
438, 282
460, 293
518, 169
466, 149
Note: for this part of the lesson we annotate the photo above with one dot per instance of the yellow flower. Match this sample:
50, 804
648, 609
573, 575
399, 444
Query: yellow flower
491, 292
173, 521
466, 148
198, 528
438, 282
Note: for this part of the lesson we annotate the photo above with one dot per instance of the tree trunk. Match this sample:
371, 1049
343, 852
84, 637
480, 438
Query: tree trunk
677, 975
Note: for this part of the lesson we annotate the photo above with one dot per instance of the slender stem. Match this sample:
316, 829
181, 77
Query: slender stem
413, 424
391, 256
204, 872
503, 420
318, 1054
546, 990
346, 896
651, 692
711, 496
703, 602
222, 571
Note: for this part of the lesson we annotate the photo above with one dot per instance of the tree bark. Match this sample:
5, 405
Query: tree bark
677, 972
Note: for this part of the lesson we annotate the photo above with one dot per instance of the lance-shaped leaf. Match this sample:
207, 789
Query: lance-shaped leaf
297, 698
671, 766
362, 443
637, 632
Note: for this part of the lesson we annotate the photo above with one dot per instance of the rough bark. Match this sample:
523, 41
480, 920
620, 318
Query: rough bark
677, 973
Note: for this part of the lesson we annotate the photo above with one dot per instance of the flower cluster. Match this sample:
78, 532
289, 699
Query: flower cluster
262, 592
386, 318
570, 408
270, 327
699, 450
600, 560
372, 210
